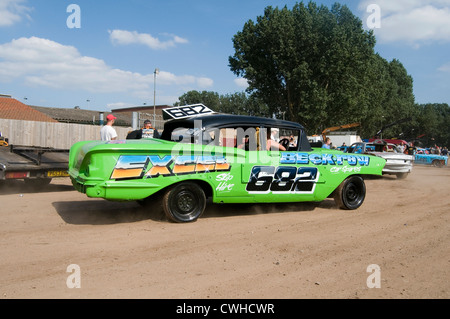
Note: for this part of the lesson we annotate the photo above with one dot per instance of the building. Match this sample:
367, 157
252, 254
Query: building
27, 125
80, 116
13, 109
134, 117
143, 113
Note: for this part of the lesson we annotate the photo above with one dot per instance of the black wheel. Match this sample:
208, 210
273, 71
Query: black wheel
401, 175
351, 193
436, 163
184, 202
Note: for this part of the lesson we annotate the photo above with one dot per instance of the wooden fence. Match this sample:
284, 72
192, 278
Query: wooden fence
56, 135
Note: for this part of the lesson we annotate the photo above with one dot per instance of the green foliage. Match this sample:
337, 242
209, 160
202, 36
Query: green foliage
318, 65
432, 125
238, 103
208, 98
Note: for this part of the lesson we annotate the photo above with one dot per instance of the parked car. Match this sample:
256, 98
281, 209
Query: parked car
421, 157
397, 163
221, 156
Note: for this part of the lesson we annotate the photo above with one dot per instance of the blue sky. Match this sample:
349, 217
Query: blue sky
109, 61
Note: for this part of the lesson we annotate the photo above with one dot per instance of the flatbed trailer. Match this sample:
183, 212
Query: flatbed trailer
34, 165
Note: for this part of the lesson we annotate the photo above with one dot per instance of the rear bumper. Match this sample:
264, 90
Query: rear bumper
115, 190
394, 169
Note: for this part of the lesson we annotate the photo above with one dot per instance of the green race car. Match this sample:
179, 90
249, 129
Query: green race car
230, 158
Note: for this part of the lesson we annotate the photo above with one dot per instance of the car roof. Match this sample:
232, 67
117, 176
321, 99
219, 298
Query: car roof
218, 119
230, 120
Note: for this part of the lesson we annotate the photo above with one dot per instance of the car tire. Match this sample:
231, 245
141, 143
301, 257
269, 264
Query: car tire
184, 202
351, 193
436, 163
401, 175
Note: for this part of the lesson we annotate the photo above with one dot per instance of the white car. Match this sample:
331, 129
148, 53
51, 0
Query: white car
397, 163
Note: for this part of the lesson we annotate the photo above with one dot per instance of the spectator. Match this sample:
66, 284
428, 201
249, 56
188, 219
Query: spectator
148, 131
327, 143
410, 149
107, 132
445, 151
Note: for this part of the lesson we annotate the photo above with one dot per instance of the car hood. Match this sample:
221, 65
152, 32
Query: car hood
393, 156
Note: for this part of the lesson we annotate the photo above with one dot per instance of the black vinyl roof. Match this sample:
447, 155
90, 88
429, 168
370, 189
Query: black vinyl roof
229, 120
223, 120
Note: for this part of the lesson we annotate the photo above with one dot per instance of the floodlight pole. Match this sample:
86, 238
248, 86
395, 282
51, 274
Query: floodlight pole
154, 96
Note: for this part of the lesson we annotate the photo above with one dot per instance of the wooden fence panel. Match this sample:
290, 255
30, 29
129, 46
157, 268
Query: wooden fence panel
57, 135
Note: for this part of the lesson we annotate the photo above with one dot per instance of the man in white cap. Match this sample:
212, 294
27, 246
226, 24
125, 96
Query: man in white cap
107, 132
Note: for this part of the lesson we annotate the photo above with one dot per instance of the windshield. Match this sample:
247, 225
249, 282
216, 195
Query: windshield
186, 135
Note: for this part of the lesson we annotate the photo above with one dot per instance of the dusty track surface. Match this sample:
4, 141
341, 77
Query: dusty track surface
235, 251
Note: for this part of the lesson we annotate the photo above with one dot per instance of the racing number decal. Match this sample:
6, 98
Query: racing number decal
283, 179
261, 178
186, 111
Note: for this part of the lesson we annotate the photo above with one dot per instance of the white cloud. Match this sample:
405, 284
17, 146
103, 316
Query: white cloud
241, 82
204, 82
167, 78
415, 22
12, 11
123, 37
445, 67
42, 62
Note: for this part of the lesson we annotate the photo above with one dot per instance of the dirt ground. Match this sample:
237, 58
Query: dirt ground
290, 251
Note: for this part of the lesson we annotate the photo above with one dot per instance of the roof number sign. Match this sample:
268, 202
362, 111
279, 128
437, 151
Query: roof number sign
179, 112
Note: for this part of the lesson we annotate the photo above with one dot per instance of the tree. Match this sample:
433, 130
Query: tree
389, 91
241, 104
208, 98
318, 66
433, 123
399, 101
237, 103
309, 62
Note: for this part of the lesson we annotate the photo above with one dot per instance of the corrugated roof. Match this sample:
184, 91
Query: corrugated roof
80, 116
15, 110
144, 108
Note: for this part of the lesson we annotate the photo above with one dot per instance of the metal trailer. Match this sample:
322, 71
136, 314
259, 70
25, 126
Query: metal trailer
35, 165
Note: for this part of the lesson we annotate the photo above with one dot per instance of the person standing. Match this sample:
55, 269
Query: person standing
107, 132
327, 143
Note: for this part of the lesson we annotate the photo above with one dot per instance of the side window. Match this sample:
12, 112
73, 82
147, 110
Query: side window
210, 137
188, 136
280, 139
358, 149
228, 137
289, 138
180, 135
248, 138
